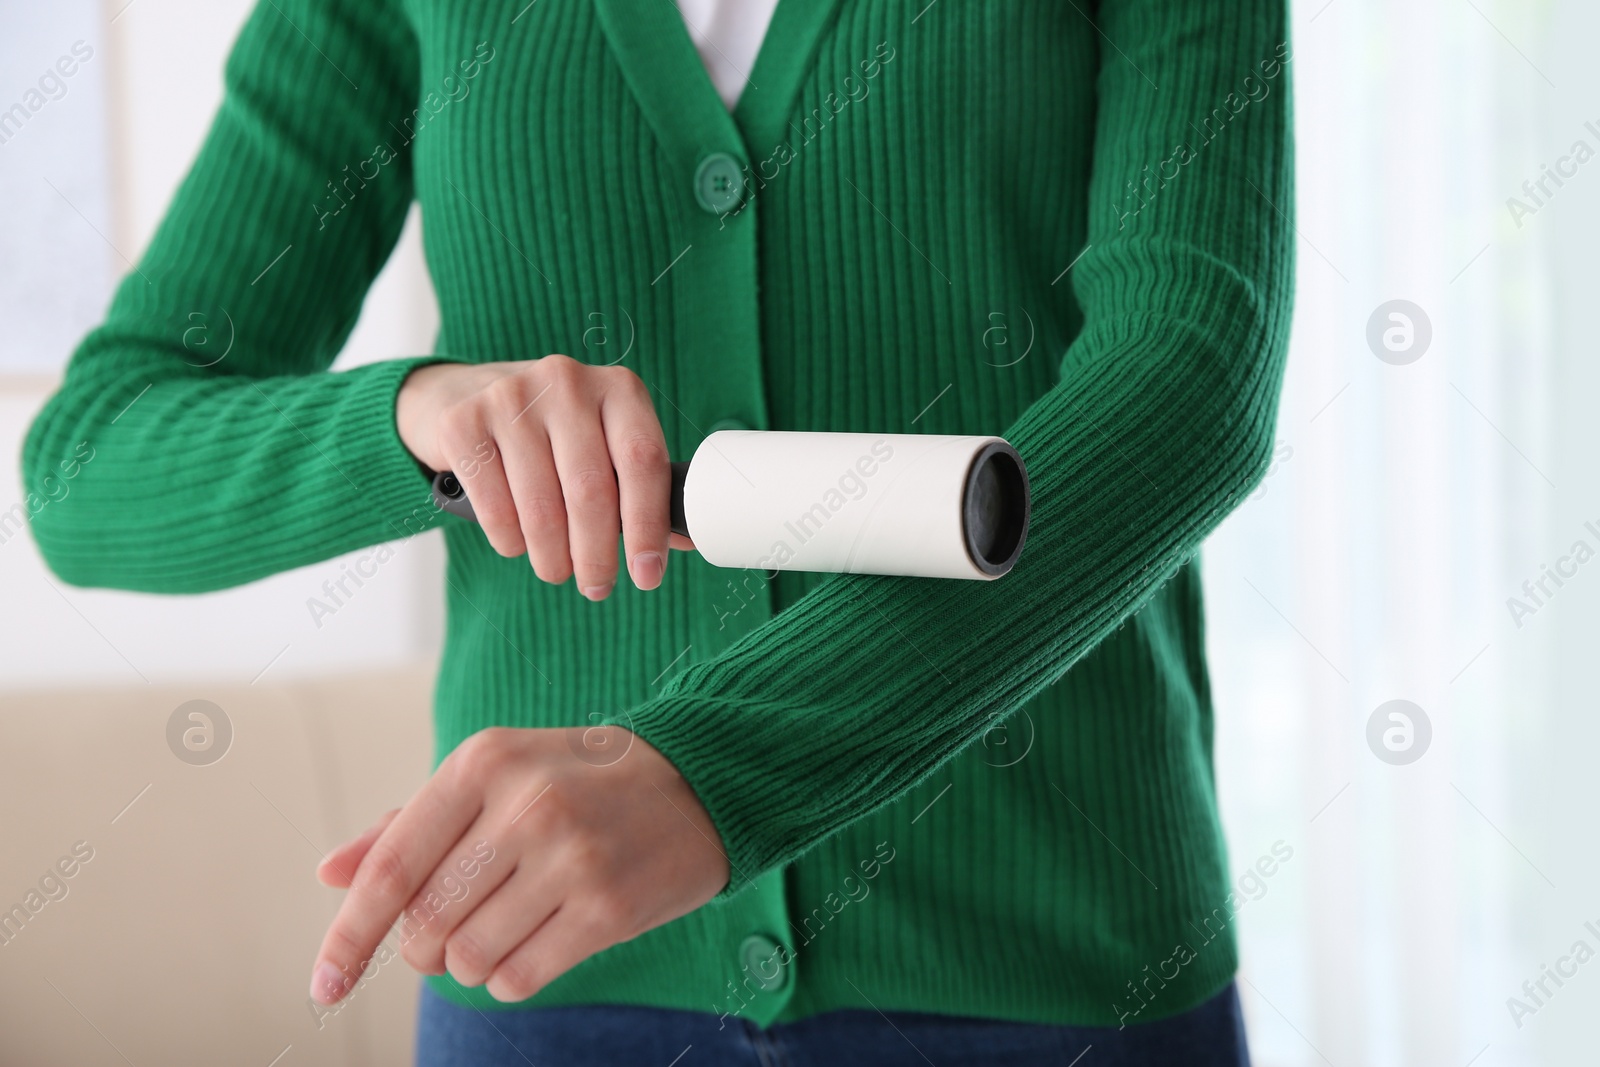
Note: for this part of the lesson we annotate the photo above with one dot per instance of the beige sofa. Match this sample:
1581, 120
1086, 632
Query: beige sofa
185, 931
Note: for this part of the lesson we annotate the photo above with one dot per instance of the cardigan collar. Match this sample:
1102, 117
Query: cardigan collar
665, 73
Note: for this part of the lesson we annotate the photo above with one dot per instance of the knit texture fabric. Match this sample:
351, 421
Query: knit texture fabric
1067, 224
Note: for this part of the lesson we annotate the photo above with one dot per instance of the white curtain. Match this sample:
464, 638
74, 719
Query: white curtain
1415, 492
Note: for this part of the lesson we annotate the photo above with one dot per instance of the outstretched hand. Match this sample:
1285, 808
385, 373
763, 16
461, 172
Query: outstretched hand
527, 852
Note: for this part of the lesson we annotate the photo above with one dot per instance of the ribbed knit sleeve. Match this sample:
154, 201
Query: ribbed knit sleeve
221, 448
1162, 419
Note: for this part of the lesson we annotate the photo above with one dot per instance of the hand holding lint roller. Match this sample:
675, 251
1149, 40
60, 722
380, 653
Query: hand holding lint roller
918, 505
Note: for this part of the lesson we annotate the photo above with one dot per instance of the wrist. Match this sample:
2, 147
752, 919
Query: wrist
416, 410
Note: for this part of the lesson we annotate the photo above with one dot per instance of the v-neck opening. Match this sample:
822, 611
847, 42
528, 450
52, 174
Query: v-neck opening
670, 81
782, 61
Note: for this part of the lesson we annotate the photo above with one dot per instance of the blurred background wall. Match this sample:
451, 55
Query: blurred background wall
1436, 447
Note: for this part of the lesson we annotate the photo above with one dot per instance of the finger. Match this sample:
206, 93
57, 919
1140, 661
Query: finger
460, 887
680, 543
502, 922
339, 865
486, 486
589, 490
644, 475
536, 490
405, 852
565, 940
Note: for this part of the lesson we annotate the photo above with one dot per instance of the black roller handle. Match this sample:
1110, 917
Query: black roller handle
451, 496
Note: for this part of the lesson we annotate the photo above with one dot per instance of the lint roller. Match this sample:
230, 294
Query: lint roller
918, 505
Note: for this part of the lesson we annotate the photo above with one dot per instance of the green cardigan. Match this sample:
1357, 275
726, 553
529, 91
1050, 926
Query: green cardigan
980, 798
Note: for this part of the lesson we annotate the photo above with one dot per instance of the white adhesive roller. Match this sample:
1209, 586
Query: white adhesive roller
919, 505
925, 505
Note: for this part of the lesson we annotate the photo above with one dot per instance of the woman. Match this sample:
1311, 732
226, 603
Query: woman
835, 819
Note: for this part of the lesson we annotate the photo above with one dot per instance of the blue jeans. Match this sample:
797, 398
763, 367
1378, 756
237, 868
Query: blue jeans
449, 1035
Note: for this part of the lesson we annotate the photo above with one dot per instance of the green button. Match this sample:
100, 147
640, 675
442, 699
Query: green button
763, 961
726, 424
718, 183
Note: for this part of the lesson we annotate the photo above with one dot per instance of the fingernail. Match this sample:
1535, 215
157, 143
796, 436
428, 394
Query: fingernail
327, 984
598, 592
647, 569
